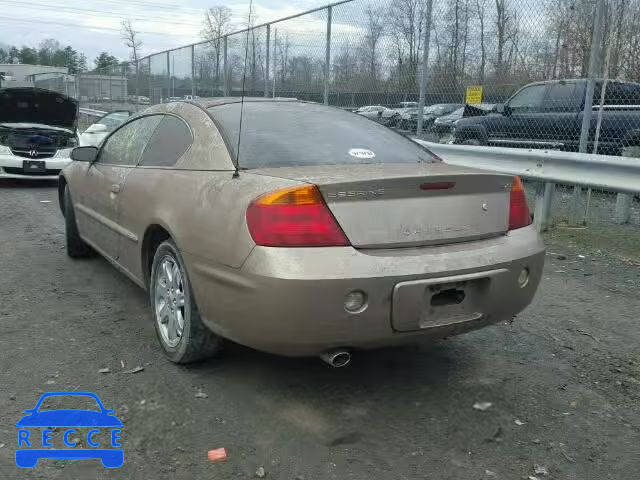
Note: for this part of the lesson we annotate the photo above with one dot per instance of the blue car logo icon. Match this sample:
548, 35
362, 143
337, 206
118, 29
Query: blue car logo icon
32, 447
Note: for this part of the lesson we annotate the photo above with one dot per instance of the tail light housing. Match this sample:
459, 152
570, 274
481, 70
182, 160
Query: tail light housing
294, 217
519, 215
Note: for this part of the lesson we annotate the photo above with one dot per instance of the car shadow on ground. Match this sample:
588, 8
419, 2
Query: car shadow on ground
429, 363
350, 405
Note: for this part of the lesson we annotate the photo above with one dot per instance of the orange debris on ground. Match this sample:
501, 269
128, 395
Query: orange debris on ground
217, 455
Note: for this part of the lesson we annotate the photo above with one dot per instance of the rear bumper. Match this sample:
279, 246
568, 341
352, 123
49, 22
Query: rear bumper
291, 301
11, 167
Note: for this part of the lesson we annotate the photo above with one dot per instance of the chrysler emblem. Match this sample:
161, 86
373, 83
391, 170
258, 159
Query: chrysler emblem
485, 207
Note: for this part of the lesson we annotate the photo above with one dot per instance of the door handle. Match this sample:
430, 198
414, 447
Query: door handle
115, 188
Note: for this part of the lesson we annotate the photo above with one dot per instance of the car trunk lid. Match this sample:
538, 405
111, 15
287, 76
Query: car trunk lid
404, 205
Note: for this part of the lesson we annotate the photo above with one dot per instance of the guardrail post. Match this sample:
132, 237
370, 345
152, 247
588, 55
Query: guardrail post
425, 60
266, 62
544, 199
327, 57
623, 208
225, 70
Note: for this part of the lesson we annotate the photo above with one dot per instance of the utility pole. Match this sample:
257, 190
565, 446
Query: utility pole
425, 60
595, 68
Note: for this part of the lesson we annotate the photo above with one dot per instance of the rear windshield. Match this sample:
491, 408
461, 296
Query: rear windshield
282, 134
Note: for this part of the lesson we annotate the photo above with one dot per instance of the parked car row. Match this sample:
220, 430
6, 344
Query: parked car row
545, 115
139, 100
405, 116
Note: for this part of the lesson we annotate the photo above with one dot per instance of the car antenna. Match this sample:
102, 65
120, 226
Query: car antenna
236, 174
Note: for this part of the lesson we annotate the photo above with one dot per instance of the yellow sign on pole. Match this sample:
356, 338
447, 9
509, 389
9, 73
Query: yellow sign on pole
474, 95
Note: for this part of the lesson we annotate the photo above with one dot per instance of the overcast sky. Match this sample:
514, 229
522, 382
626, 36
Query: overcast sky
94, 26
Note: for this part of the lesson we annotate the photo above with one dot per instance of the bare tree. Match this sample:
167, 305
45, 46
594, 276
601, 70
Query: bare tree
405, 22
283, 56
134, 44
504, 33
375, 28
465, 38
502, 18
481, 8
217, 23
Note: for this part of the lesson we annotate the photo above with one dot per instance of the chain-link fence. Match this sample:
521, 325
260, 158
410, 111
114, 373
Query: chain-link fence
387, 59
553, 74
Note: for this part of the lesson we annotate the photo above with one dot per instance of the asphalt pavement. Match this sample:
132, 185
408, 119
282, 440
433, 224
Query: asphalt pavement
559, 388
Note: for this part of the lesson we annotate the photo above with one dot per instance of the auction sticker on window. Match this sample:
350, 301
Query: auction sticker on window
71, 432
361, 153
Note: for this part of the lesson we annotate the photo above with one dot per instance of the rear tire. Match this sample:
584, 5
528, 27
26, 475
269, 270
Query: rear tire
188, 339
76, 247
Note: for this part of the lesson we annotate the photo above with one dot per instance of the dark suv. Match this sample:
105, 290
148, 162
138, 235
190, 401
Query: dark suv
549, 115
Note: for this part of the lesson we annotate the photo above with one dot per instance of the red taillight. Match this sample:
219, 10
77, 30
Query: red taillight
294, 217
519, 215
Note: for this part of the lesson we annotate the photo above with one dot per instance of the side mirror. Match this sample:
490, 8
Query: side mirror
84, 154
96, 128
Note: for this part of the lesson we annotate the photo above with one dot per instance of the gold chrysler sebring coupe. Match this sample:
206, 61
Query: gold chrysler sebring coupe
298, 229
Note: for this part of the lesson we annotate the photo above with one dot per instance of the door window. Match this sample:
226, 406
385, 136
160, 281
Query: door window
528, 100
125, 145
618, 93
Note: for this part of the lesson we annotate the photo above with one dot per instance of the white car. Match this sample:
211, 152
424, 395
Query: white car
376, 112
98, 131
37, 132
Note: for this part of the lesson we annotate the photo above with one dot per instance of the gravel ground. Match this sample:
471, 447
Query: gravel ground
563, 379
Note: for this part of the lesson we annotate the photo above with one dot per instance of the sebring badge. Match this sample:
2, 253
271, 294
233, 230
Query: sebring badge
361, 153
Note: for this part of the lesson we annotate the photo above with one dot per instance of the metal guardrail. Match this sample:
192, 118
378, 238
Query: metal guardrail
615, 174
618, 174
93, 113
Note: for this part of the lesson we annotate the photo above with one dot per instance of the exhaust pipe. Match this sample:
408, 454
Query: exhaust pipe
337, 358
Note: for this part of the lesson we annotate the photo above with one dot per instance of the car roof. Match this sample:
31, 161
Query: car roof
577, 80
213, 102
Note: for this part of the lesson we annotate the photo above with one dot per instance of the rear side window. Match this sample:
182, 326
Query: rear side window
169, 142
279, 134
617, 93
562, 97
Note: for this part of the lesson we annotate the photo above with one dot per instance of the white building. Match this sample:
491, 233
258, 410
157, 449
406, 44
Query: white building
21, 75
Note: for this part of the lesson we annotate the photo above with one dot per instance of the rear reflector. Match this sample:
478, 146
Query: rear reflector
294, 217
519, 215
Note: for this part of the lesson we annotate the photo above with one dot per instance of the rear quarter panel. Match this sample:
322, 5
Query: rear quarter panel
203, 212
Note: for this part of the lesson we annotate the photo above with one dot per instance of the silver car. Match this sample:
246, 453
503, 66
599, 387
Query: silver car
307, 230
